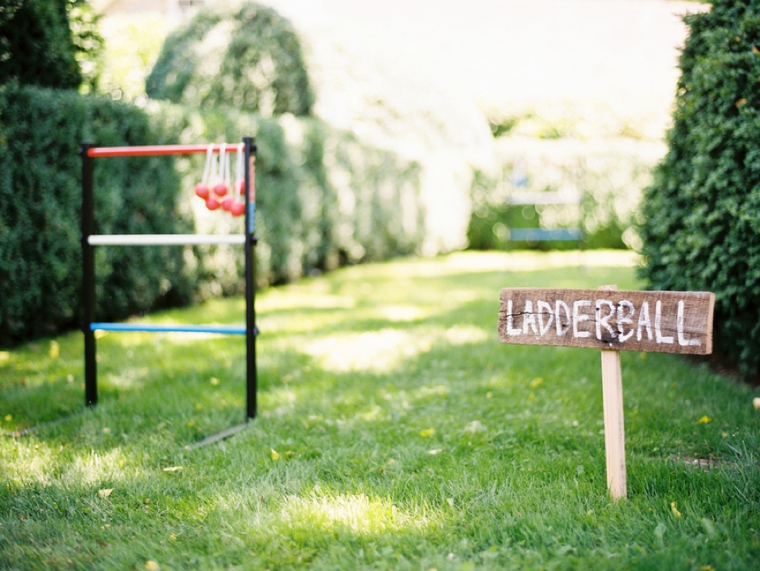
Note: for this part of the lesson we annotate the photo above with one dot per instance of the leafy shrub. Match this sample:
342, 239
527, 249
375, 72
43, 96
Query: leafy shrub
36, 47
40, 190
701, 227
248, 57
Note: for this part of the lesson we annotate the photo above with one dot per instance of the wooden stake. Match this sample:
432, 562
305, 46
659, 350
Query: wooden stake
614, 425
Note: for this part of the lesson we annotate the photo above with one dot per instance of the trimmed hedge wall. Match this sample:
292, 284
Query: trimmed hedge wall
702, 214
40, 193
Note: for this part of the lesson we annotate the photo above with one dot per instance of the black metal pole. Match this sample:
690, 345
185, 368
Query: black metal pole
250, 275
88, 279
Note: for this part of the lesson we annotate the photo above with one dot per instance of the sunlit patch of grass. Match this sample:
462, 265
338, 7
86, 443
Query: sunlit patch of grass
353, 513
394, 431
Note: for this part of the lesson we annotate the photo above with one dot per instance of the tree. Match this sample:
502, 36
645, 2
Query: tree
38, 47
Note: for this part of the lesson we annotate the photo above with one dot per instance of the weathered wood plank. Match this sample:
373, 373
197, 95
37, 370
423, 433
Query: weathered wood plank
659, 321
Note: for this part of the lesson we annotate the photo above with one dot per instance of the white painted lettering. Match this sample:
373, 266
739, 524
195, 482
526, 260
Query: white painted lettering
682, 341
529, 318
644, 321
604, 321
659, 337
578, 317
562, 305
625, 319
510, 317
543, 309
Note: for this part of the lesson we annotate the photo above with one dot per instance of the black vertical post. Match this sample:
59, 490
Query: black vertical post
88, 279
250, 276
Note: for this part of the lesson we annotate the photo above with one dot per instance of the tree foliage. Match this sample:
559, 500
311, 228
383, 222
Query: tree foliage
49, 43
247, 57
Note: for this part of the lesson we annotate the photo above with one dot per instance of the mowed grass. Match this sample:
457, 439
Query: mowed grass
394, 432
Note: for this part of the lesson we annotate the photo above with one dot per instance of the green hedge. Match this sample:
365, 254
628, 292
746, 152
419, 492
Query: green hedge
40, 193
702, 214
247, 57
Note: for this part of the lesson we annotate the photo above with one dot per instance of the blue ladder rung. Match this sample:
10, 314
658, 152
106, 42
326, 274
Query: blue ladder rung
221, 329
544, 234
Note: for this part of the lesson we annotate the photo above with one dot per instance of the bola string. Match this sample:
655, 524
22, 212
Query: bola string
207, 165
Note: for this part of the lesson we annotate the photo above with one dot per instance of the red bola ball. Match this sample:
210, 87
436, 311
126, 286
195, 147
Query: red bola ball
242, 187
212, 203
220, 189
237, 208
201, 190
227, 203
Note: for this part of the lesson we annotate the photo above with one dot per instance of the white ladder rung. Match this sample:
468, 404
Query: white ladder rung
543, 198
163, 239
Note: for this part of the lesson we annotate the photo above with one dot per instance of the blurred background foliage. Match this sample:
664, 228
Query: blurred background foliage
325, 198
606, 176
247, 57
367, 172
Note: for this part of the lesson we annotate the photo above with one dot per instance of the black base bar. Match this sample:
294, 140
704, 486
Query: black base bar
218, 436
88, 152
33, 429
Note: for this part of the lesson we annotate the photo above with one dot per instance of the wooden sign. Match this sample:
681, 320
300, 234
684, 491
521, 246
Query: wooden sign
661, 321
610, 320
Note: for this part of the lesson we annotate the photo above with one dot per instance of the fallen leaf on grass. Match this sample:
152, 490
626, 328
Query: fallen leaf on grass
704, 420
427, 433
537, 382
8, 417
275, 454
151, 565
435, 451
105, 492
674, 509
756, 403
173, 469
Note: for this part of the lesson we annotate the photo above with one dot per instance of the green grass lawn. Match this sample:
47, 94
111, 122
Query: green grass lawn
394, 432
